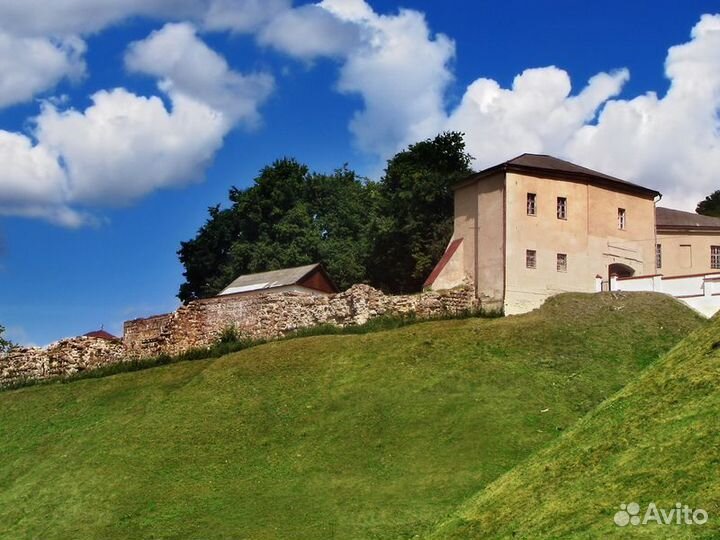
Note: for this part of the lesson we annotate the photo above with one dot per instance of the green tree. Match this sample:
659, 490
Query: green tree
288, 217
5, 345
415, 220
710, 206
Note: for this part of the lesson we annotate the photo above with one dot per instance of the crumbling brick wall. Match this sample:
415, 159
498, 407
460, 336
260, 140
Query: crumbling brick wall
59, 359
200, 323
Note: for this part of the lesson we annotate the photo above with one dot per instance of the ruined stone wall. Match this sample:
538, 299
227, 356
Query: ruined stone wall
200, 323
59, 359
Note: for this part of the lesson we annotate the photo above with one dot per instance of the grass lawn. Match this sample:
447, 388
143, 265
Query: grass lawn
379, 435
656, 441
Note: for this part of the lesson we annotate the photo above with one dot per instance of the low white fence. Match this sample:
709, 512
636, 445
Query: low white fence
699, 291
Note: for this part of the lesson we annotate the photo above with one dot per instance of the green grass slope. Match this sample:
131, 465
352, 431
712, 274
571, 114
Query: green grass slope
656, 441
368, 436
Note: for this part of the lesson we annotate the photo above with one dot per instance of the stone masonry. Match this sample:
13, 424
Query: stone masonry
59, 359
266, 316
200, 324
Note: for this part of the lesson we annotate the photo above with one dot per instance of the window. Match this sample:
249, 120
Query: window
715, 257
530, 258
658, 256
621, 218
562, 208
531, 206
562, 262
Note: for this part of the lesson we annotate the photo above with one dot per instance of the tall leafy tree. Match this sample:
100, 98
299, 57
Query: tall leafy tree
710, 206
415, 219
289, 217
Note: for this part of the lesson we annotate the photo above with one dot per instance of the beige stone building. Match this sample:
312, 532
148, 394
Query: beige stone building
536, 226
687, 243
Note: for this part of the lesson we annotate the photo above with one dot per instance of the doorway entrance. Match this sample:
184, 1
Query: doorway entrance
620, 270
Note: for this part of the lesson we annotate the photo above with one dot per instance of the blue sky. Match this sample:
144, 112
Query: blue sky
121, 123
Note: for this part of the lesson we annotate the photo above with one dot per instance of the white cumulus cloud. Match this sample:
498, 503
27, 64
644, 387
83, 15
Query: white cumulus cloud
185, 65
124, 146
671, 142
537, 114
310, 31
395, 63
31, 65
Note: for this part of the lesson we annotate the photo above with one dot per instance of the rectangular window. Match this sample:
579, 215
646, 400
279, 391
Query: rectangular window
621, 218
530, 258
715, 257
531, 206
658, 256
562, 208
562, 262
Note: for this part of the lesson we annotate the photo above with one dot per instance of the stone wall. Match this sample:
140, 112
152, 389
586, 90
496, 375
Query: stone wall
200, 323
59, 359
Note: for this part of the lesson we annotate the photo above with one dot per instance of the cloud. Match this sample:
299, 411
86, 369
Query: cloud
32, 65
124, 146
40, 43
672, 142
403, 96
32, 183
185, 65
242, 15
60, 18
402, 72
310, 31
537, 114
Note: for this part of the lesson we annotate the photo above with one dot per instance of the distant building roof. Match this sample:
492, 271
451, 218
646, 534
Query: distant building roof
553, 167
312, 276
102, 334
669, 219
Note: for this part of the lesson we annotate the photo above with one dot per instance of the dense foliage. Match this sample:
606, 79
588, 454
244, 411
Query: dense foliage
415, 219
710, 206
388, 234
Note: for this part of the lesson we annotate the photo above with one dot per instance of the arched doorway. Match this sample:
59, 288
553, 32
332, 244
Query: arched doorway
620, 270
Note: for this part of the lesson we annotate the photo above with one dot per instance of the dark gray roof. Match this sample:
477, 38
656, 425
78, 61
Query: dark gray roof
559, 168
667, 218
268, 280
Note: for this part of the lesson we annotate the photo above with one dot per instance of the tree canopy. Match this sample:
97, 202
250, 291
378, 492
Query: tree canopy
289, 217
388, 233
710, 206
415, 218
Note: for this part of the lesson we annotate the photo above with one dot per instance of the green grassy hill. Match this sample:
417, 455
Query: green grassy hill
656, 441
365, 436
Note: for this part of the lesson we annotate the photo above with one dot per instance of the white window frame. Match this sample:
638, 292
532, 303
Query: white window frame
622, 219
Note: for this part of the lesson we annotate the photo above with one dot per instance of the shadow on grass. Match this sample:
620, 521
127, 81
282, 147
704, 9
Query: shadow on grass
230, 341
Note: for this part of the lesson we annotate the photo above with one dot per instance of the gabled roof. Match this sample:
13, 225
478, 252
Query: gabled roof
273, 279
552, 167
102, 334
669, 219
